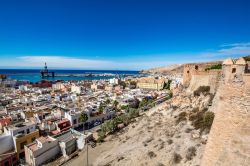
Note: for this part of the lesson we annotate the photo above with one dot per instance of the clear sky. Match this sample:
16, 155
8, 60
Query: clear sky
121, 34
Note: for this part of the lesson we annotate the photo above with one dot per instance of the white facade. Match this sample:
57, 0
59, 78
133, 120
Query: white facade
114, 81
43, 152
23, 128
58, 86
74, 118
6, 143
75, 89
23, 87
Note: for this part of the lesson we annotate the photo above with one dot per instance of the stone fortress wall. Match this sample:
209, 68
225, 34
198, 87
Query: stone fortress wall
229, 139
196, 75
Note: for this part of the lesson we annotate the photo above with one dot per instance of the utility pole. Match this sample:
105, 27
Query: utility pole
87, 154
87, 147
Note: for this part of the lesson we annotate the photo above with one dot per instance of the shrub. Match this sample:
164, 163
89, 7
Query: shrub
197, 120
208, 119
145, 102
217, 66
170, 141
177, 158
188, 130
201, 89
211, 97
202, 120
151, 154
125, 119
160, 164
124, 107
181, 117
133, 113
191, 152
101, 136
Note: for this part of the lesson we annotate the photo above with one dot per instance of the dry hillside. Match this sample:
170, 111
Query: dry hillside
172, 133
171, 69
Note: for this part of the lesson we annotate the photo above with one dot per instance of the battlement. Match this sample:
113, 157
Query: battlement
210, 68
235, 70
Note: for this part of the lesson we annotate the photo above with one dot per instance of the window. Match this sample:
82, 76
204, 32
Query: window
188, 71
21, 132
74, 121
22, 144
28, 131
234, 70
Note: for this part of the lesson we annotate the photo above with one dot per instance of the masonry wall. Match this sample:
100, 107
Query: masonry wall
210, 79
194, 68
49, 154
229, 138
246, 79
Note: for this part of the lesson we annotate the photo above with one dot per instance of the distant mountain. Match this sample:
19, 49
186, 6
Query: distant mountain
175, 68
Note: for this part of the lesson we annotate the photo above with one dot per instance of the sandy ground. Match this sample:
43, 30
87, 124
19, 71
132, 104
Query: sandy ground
102, 148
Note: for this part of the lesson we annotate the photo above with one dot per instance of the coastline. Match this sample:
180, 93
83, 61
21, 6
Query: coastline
33, 75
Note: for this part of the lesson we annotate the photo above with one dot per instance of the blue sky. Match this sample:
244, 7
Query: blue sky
124, 34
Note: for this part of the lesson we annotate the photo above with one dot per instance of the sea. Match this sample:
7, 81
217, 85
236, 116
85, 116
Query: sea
33, 75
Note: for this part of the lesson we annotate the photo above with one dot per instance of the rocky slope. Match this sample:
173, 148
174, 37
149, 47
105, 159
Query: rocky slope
162, 136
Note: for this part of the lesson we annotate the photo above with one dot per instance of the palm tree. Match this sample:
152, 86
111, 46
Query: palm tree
83, 118
101, 108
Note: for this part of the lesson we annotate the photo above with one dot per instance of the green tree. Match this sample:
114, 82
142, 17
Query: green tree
123, 84
167, 84
83, 117
115, 103
107, 101
132, 83
101, 108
